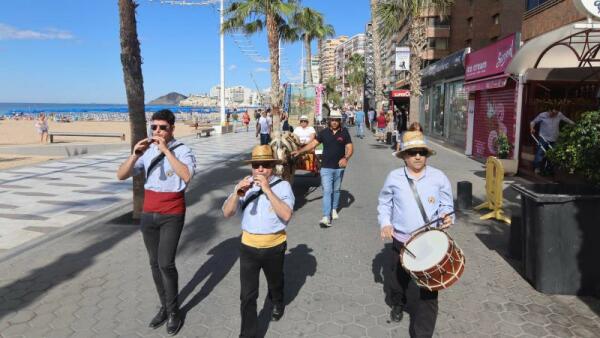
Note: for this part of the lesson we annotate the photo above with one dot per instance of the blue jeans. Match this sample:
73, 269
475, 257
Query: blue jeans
540, 155
331, 182
265, 139
360, 130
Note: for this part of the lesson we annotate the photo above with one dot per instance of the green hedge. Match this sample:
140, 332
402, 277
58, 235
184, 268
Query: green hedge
578, 147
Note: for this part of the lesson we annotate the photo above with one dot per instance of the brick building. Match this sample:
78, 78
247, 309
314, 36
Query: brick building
542, 16
476, 24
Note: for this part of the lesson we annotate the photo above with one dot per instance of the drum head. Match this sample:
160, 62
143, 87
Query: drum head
429, 247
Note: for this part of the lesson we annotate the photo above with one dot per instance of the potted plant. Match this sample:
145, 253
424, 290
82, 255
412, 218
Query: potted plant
577, 151
503, 150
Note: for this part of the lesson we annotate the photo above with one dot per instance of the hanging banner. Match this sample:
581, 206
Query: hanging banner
319, 101
402, 58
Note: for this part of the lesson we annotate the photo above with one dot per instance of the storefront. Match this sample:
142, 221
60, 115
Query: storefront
492, 97
559, 69
444, 100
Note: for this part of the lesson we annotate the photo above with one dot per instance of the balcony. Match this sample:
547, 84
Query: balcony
434, 54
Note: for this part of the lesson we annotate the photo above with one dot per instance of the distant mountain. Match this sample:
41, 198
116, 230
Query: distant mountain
171, 99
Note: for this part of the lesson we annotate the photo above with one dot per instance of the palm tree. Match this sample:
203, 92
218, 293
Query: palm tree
355, 68
131, 60
377, 55
311, 25
393, 15
331, 92
251, 16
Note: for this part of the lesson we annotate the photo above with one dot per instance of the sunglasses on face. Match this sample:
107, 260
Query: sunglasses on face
421, 152
162, 127
266, 165
303, 121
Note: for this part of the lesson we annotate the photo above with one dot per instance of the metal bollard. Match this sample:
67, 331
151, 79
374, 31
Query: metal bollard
464, 195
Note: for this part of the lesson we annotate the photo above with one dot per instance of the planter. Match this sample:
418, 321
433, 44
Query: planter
560, 237
510, 166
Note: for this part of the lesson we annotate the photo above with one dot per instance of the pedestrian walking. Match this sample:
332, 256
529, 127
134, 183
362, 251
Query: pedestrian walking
381, 125
264, 126
411, 196
266, 204
371, 114
337, 150
41, 126
549, 128
246, 120
359, 119
169, 166
236, 118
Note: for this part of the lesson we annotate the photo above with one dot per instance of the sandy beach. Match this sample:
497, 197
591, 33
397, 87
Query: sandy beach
23, 133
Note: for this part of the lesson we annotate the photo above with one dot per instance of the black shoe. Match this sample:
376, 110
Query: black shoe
174, 323
159, 319
397, 313
277, 312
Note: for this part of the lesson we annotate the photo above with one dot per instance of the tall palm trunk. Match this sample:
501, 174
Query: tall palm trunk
308, 59
417, 39
273, 41
131, 61
320, 43
377, 57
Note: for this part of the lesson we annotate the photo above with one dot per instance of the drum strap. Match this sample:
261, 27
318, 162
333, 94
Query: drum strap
417, 197
257, 195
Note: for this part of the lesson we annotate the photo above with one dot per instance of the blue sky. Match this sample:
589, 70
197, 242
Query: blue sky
67, 51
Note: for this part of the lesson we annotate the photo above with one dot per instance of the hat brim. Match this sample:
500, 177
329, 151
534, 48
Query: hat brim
430, 152
266, 160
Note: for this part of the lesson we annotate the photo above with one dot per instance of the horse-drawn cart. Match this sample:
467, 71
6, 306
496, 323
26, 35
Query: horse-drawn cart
283, 144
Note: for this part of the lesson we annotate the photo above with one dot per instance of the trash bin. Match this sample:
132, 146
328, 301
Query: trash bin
561, 234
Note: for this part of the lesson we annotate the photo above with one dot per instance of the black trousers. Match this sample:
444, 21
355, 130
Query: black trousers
426, 308
252, 260
161, 236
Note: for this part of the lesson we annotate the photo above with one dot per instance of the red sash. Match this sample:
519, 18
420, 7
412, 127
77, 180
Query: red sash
170, 203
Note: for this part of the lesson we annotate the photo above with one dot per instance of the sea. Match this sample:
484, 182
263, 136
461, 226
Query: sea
86, 109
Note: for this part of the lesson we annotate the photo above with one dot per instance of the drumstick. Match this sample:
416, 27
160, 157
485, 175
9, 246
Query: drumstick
409, 252
435, 221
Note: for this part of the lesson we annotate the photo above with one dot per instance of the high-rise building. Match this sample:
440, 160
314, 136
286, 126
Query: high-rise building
314, 66
343, 52
327, 56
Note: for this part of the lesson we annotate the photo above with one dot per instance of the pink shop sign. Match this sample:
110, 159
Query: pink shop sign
491, 60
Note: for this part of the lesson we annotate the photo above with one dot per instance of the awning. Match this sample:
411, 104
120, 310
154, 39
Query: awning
569, 46
492, 82
400, 93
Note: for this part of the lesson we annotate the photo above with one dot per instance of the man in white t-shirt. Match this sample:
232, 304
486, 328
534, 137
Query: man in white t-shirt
305, 132
263, 127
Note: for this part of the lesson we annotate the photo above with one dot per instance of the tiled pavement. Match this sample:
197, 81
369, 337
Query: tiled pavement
40, 199
96, 281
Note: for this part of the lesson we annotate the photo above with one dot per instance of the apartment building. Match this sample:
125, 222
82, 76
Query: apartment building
343, 52
327, 56
477, 24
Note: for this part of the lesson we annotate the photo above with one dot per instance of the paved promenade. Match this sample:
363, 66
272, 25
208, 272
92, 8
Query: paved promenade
96, 282
41, 199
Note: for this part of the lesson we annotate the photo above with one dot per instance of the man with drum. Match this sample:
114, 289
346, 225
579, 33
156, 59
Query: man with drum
266, 204
410, 197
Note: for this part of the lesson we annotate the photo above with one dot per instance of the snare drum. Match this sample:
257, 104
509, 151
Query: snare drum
437, 263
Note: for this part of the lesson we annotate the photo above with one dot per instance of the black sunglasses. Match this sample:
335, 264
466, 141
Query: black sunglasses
422, 152
162, 127
266, 165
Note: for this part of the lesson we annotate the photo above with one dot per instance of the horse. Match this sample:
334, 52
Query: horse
283, 144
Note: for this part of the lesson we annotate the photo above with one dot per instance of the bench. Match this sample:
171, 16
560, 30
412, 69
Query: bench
84, 134
206, 131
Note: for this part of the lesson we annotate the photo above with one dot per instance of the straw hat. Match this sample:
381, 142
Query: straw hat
413, 140
335, 114
263, 153
303, 118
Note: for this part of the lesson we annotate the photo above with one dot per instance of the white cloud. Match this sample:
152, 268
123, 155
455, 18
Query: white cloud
8, 32
260, 70
232, 67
